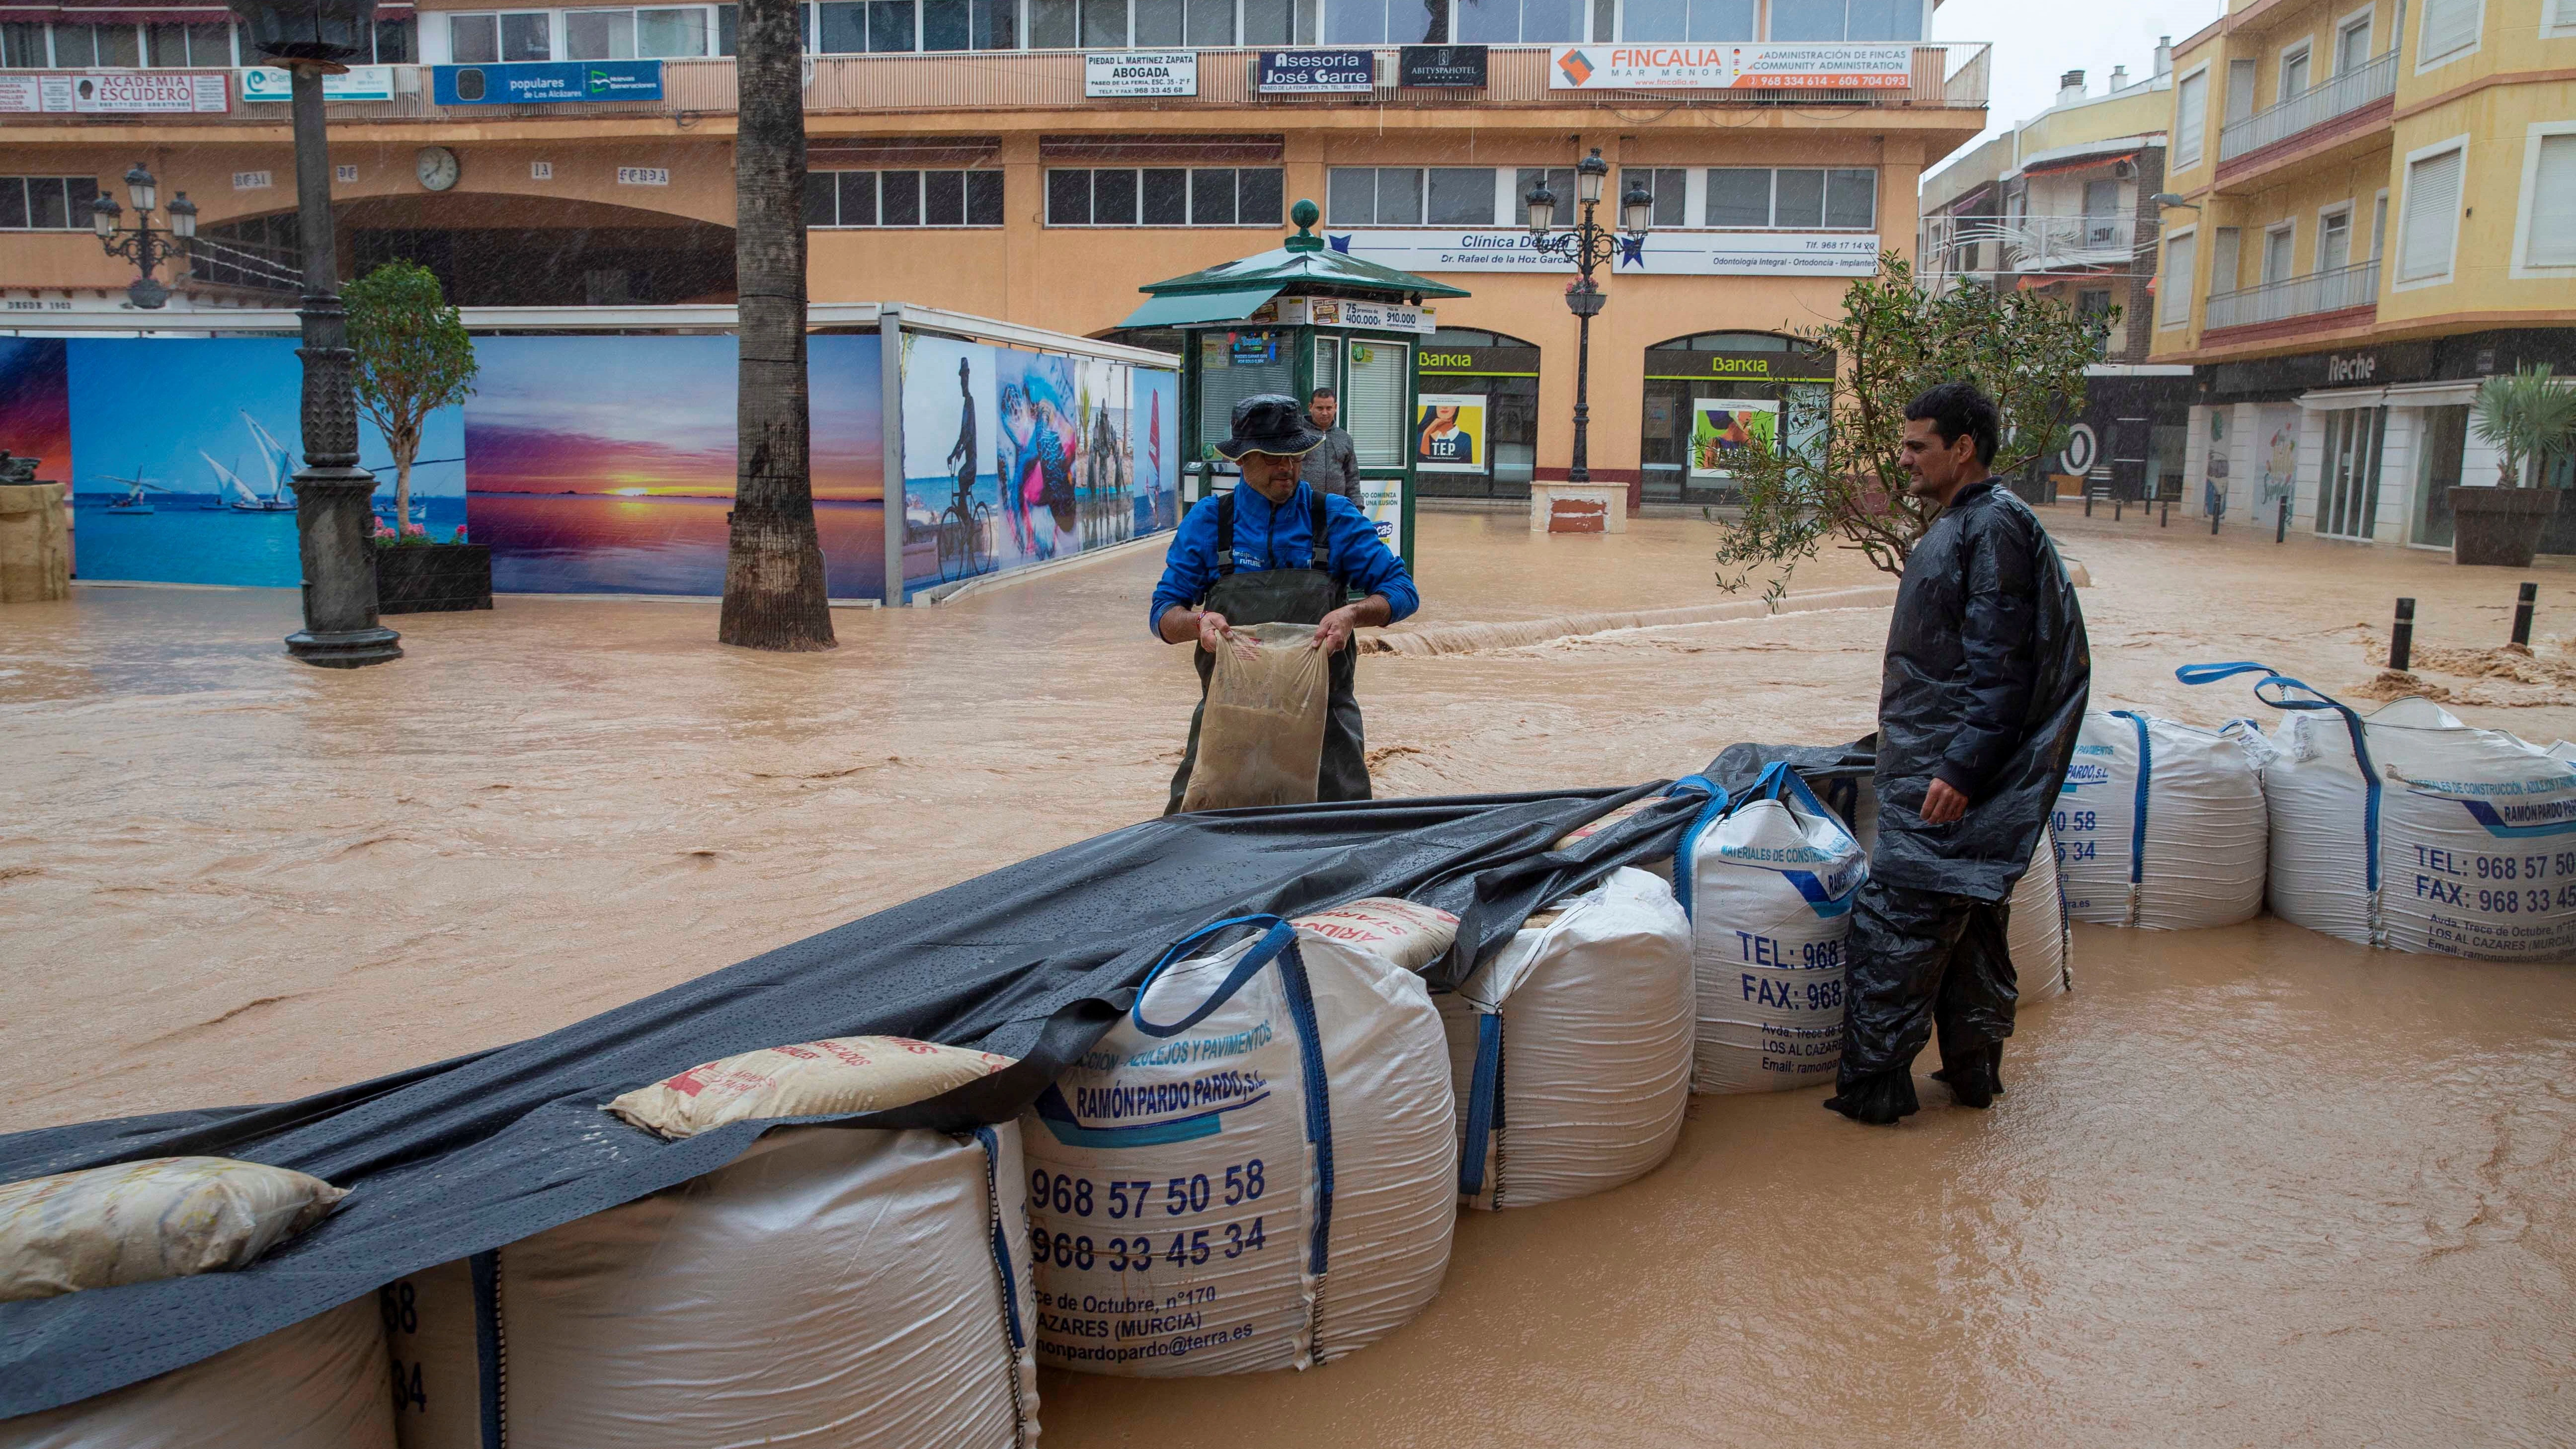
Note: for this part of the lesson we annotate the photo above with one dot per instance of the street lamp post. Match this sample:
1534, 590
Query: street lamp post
333, 523
142, 245
1587, 244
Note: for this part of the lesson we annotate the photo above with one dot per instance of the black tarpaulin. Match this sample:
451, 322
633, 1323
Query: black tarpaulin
1034, 960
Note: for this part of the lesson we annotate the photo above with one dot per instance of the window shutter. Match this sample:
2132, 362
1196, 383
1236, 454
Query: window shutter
2553, 205
2450, 26
2173, 298
2191, 119
2432, 217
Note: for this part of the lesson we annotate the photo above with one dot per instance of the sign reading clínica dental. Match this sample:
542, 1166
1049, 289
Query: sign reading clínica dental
1441, 67
1316, 72
524, 83
361, 83
1730, 67
1661, 253
1141, 73
118, 92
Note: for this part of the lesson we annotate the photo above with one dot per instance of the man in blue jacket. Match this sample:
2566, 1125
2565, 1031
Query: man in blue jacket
1276, 551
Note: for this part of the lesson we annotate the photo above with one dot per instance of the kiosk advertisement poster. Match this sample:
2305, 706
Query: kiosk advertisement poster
1382, 499
1013, 458
1724, 428
1449, 434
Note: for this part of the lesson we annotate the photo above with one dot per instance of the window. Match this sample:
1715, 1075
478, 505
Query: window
2240, 89
1523, 22
2379, 226
1705, 21
23, 45
1668, 185
1803, 20
2334, 240
1560, 184
2450, 30
2093, 306
2173, 291
2101, 213
1410, 195
969, 24
394, 43
77, 47
1384, 22
1792, 197
852, 27
497, 39
599, 35
903, 198
2279, 245
2225, 245
46, 203
2431, 211
189, 45
2352, 46
1165, 23
2294, 72
2549, 201
1164, 196
2191, 119
2558, 18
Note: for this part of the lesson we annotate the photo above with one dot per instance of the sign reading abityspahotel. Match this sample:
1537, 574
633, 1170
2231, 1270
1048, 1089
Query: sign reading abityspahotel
1141, 73
1660, 253
1730, 67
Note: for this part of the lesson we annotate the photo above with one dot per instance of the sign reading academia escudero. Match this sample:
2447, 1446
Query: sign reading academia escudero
1316, 72
117, 92
1140, 73
524, 83
1730, 67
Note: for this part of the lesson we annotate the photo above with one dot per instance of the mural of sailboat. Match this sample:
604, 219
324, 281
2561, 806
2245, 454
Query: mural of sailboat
133, 501
275, 457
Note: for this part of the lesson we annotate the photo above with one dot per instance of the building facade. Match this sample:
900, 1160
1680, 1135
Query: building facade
2063, 205
1036, 161
2375, 209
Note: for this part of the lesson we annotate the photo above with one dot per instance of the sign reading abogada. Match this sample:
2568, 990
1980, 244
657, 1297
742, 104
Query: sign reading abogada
1731, 67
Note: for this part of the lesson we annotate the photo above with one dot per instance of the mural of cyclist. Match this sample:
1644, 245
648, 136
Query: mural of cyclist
961, 458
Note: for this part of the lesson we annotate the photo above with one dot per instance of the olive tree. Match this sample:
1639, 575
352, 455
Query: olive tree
1832, 473
413, 358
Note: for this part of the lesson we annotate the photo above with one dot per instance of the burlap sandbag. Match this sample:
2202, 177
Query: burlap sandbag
165, 1217
1261, 736
842, 1075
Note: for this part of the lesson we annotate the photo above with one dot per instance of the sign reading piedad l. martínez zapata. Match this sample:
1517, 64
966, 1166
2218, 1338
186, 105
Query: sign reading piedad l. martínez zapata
1730, 67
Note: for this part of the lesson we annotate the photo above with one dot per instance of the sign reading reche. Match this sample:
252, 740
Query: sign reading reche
1141, 73
1730, 67
362, 83
117, 92
1692, 254
1316, 72
537, 82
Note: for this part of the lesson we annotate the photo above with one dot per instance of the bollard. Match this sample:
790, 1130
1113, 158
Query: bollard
2117, 503
2088, 503
2522, 614
2164, 516
2213, 525
2281, 523
2401, 637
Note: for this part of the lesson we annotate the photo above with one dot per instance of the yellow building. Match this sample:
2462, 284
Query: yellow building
973, 155
2376, 208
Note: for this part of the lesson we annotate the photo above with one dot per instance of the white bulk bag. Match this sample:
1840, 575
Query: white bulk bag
2407, 829
1255, 1169
1570, 1051
318, 1384
2162, 825
2035, 936
831, 1285
1770, 878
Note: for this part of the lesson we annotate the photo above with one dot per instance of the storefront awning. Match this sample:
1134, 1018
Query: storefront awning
1187, 307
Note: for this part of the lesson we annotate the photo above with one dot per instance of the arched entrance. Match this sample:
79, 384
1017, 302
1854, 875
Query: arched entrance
1500, 373
1772, 381
493, 249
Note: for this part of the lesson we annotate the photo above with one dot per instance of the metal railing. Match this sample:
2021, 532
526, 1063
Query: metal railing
2036, 243
2331, 291
1953, 74
2370, 81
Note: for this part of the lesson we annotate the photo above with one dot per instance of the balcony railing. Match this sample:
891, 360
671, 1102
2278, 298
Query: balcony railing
1945, 75
2036, 243
2332, 291
2372, 80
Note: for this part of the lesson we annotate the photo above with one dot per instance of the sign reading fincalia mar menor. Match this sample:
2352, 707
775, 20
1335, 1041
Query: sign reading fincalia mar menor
1140, 73
540, 82
1316, 72
1730, 67
1661, 253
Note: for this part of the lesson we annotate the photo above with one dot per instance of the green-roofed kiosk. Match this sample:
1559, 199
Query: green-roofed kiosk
1289, 321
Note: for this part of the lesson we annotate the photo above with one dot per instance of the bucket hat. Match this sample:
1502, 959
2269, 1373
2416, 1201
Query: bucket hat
1270, 423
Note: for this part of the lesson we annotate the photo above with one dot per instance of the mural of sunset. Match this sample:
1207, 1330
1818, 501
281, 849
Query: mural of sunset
606, 464
36, 404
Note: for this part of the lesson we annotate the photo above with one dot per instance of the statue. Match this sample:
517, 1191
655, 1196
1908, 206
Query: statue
16, 469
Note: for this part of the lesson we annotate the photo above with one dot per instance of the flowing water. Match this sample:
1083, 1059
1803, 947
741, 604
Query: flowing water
2251, 1186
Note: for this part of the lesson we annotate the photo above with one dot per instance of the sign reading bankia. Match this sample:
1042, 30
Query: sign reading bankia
1697, 254
1730, 67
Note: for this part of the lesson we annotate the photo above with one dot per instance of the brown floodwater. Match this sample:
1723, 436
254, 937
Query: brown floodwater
2250, 1186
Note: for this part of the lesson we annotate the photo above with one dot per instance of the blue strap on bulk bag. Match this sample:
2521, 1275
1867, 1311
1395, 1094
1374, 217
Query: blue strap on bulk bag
1484, 1102
1689, 846
2281, 685
2138, 809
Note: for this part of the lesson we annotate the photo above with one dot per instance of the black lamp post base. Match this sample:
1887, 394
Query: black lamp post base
351, 649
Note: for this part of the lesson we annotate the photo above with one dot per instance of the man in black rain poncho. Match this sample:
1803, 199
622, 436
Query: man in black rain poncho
1979, 702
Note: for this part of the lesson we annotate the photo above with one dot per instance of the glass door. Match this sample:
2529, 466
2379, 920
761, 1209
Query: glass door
2348, 473
2445, 436
1377, 410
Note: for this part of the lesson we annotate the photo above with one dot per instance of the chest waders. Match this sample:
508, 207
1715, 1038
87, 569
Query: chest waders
1286, 596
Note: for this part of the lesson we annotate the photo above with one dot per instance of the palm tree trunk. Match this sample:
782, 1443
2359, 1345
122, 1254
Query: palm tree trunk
774, 596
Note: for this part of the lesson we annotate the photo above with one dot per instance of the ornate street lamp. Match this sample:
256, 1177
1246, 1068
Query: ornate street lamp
1588, 245
144, 246
333, 523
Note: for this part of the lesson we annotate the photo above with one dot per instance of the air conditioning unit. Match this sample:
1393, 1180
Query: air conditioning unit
2124, 169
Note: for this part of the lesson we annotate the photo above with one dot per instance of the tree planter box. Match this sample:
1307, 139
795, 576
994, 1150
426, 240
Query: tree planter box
2499, 525
433, 578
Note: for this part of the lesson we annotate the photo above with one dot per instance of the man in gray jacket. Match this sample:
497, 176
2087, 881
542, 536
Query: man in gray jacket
1334, 465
